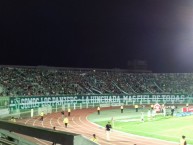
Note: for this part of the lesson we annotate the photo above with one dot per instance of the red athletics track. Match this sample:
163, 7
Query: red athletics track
78, 123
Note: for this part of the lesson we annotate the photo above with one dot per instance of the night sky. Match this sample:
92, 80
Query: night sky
98, 34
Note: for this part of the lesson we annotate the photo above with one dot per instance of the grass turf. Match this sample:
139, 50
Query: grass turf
166, 128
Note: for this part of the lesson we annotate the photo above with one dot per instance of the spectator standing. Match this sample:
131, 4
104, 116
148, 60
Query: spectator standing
183, 140
121, 108
172, 110
98, 110
69, 111
94, 138
108, 129
65, 121
136, 108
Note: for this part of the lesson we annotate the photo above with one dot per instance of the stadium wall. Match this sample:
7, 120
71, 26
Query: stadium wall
61, 137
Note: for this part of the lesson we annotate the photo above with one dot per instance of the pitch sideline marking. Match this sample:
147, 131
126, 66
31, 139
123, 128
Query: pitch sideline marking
133, 134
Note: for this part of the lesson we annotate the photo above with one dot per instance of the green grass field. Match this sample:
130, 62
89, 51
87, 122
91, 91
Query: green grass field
166, 128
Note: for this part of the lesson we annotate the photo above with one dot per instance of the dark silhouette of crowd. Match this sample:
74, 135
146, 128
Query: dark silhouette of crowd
44, 81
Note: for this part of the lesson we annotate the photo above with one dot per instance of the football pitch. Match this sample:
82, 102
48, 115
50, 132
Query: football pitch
165, 128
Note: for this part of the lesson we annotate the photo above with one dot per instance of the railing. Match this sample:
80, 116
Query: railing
64, 138
11, 138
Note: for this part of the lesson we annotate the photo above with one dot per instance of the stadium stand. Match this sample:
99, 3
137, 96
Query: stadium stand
18, 81
28, 81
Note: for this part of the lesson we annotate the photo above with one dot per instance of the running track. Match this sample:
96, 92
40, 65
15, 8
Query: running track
78, 123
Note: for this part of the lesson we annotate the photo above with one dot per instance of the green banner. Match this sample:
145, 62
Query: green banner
4, 102
41, 101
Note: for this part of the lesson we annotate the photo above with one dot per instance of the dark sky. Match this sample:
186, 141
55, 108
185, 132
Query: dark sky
98, 33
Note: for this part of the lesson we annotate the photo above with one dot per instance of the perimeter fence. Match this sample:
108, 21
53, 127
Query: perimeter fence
29, 106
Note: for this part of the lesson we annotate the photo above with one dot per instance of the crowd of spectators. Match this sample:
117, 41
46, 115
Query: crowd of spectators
26, 81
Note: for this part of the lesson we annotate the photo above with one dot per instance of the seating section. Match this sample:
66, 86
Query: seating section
28, 81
